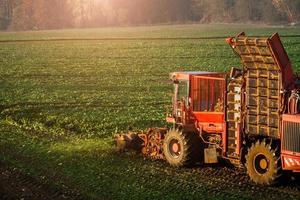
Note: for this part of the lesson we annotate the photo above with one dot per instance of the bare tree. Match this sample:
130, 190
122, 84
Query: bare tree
290, 8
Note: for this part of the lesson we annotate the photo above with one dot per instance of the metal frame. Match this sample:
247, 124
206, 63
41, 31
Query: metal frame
290, 159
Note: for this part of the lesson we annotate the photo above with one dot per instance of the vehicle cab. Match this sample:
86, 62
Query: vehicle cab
199, 100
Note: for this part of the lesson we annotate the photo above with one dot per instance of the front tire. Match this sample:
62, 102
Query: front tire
262, 163
181, 148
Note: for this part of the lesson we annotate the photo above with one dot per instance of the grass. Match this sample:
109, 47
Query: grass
167, 31
94, 169
61, 101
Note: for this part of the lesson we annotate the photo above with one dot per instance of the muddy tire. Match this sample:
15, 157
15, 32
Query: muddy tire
182, 148
262, 163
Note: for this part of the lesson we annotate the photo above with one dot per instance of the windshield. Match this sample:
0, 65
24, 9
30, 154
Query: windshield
208, 95
182, 90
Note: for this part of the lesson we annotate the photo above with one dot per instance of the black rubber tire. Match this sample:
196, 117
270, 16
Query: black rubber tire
190, 146
263, 164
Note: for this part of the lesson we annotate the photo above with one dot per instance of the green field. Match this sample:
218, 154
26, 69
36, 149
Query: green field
65, 93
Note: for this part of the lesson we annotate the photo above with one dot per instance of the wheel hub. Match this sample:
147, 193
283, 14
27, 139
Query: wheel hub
261, 164
174, 148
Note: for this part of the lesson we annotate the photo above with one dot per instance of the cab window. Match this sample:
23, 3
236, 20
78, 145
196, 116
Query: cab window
208, 95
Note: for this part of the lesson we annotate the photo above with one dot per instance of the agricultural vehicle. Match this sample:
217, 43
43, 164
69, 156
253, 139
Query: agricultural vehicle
249, 117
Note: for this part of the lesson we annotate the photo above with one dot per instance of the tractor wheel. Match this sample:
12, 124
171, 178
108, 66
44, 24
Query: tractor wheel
263, 165
181, 149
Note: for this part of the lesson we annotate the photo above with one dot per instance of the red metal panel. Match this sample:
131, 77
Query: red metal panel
212, 127
282, 60
204, 94
290, 154
291, 118
290, 162
208, 103
210, 117
212, 77
290, 134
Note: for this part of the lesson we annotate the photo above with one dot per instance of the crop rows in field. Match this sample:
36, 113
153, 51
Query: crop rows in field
58, 93
92, 168
96, 88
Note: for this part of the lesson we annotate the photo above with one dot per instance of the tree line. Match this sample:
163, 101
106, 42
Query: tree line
57, 14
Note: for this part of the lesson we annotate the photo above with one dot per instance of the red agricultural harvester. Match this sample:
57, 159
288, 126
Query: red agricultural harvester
249, 117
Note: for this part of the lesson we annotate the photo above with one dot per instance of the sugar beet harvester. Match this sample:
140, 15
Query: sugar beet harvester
249, 117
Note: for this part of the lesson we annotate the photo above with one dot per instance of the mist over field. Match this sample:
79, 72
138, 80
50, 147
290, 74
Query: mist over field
58, 14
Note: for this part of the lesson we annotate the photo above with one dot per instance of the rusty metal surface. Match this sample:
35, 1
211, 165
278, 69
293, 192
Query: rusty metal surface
234, 101
267, 72
153, 143
149, 142
128, 141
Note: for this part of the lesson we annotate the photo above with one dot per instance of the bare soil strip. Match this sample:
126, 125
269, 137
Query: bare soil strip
16, 185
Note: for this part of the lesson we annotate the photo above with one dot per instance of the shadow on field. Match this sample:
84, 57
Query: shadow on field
96, 170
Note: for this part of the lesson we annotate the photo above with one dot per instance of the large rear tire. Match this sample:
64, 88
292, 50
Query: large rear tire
182, 148
262, 163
